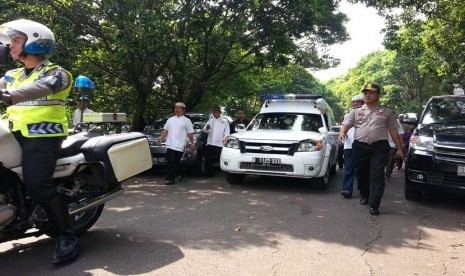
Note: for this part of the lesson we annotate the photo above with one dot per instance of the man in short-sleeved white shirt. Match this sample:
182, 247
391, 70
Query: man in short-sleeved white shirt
217, 129
176, 129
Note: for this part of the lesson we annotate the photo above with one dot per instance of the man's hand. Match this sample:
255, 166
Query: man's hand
341, 137
400, 153
192, 147
6, 98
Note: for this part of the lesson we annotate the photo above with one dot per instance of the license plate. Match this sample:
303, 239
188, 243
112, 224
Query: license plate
160, 160
267, 161
461, 170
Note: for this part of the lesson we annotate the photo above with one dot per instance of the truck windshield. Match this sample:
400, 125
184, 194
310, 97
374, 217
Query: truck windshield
445, 111
288, 121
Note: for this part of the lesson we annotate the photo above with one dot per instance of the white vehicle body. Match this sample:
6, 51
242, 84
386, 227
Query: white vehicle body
289, 138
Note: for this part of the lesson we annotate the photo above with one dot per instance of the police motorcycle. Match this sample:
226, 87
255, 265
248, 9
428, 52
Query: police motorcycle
89, 172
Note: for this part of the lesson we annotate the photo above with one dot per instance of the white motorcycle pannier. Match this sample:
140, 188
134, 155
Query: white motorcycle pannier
124, 155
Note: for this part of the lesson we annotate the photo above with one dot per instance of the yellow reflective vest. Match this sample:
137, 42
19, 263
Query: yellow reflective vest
45, 117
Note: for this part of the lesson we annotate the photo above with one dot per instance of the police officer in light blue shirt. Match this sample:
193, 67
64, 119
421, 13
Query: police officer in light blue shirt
372, 123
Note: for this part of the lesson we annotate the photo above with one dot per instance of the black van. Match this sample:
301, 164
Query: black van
436, 158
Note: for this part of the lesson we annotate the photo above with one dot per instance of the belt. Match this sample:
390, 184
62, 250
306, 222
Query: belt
372, 143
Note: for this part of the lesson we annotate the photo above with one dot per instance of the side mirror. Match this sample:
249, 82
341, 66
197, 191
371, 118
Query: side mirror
323, 130
4, 55
239, 127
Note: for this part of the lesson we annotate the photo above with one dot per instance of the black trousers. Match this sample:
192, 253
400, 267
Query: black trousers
212, 154
370, 161
173, 157
39, 161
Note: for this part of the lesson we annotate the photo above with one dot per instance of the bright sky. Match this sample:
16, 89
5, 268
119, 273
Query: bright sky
364, 27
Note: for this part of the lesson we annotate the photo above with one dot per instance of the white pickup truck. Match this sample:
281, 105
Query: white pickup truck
290, 137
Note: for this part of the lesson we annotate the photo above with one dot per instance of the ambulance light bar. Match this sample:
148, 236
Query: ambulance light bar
267, 97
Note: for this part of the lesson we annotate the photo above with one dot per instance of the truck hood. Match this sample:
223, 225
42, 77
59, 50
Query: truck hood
277, 135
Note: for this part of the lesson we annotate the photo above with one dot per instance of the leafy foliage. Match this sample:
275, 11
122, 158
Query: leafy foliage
143, 55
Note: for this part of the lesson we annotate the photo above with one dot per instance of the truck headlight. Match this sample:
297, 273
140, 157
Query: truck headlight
422, 143
309, 146
232, 142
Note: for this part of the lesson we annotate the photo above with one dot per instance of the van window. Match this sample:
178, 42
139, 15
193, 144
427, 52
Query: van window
445, 110
288, 121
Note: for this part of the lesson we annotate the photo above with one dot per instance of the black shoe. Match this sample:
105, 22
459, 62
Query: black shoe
374, 211
363, 201
346, 193
169, 182
66, 248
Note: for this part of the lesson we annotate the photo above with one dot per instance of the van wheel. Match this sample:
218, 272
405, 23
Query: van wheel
412, 194
321, 183
234, 178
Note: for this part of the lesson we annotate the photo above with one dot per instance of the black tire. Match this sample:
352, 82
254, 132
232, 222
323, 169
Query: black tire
200, 168
412, 194
333, 170
321, 183
234, 178
81, 222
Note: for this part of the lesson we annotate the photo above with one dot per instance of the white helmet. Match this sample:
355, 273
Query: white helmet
40, 39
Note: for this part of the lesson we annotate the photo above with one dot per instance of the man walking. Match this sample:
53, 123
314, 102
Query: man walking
372, 122
176, 129
348, 182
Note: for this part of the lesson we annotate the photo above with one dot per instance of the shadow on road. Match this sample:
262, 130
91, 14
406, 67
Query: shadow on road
105, 250
210, 213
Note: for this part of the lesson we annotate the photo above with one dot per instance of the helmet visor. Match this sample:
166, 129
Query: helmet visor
7, 34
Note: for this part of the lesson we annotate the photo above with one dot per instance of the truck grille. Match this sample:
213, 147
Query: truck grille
452, 154
446, 179
269, 148
278, 168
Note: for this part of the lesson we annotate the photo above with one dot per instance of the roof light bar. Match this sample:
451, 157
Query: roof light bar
266, 97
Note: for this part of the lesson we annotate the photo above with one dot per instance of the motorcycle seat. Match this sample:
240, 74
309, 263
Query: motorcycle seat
72, 144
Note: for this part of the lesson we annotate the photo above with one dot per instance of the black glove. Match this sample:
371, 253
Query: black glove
6, 98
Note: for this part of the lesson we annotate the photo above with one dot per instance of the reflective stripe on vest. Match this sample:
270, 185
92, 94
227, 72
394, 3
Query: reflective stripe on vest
44, 117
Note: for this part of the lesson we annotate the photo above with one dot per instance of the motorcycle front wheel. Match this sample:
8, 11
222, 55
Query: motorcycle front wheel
80, 222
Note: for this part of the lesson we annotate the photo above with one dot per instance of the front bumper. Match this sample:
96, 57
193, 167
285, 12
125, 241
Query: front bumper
300, 165
425, 172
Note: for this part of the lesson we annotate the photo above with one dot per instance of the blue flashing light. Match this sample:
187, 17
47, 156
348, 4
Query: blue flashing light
83, 83
268, 97
272, 97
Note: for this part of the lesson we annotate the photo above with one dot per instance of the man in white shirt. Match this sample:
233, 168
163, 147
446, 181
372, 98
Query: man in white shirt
176, 129
349, 168
217, 129
82, 108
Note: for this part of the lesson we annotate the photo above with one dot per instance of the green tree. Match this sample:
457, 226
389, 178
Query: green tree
431, 31
138, 51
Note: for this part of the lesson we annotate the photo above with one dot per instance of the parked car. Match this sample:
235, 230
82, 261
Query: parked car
436, 158
193, 161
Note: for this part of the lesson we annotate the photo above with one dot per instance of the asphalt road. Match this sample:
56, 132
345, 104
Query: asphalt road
266, 226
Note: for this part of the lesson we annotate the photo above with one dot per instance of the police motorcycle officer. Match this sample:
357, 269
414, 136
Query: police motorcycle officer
36, 96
